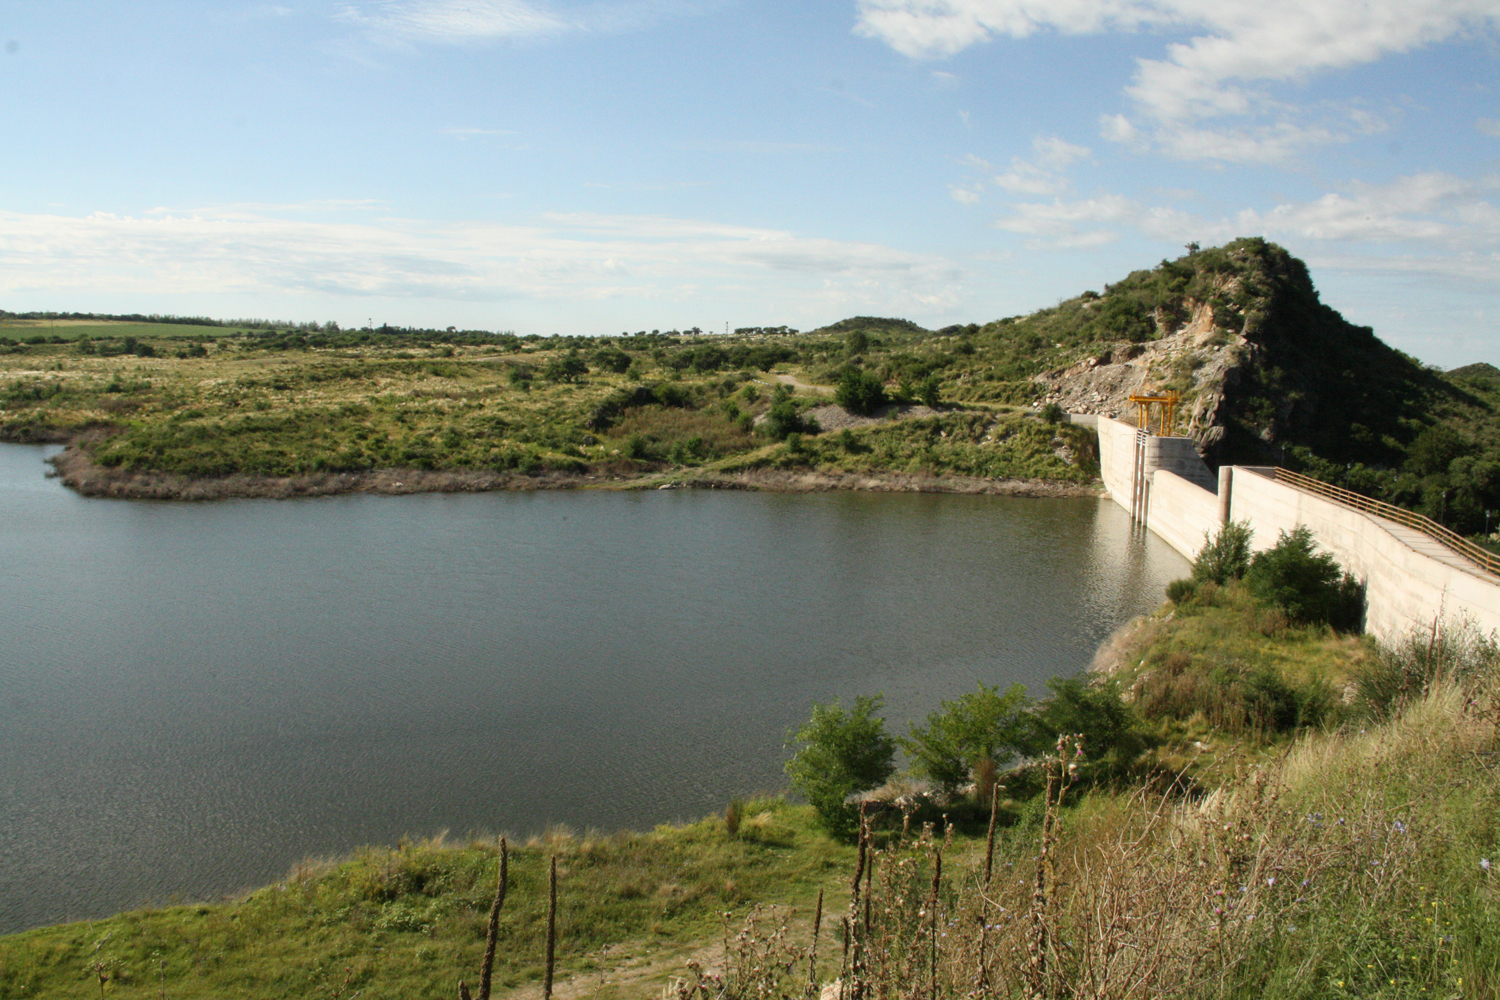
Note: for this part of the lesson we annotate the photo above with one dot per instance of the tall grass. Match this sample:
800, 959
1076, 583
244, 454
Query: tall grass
1360, 863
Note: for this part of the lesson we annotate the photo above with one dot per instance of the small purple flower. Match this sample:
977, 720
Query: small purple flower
1271, 880
1484, 863
1398, 826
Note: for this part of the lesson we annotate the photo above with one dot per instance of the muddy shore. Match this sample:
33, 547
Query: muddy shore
80, 473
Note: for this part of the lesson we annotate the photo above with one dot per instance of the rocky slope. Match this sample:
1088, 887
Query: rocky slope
1266, 371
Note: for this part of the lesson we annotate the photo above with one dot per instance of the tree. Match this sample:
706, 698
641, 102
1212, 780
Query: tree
929, 391
1111, 739
565, 368
1226, 556
840, 753
1308, 585
859, 392
783, 418
981, 725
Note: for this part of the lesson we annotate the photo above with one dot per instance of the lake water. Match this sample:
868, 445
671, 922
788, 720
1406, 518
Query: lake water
193, 697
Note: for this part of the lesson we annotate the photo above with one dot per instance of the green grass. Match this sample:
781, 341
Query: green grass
288, 403
409, 922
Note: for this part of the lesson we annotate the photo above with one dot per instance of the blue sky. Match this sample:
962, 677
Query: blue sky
596, 167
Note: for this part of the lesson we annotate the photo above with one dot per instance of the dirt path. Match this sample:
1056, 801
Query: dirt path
797, 383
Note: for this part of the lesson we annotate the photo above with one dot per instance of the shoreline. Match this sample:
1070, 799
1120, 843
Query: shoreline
80, 473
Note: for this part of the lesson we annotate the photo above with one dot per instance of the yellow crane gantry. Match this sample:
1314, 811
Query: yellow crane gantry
1163, 407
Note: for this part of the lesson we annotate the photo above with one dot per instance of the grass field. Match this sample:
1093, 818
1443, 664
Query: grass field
205, 402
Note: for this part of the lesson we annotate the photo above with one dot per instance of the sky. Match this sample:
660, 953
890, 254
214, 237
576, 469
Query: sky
606, 166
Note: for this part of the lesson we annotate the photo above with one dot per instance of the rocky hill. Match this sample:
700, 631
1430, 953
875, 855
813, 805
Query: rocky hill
1268, 374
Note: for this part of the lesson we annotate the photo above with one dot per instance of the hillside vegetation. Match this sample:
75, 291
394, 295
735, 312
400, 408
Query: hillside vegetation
1267, 372
232, 405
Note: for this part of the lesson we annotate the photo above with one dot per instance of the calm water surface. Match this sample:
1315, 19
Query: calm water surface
195, 696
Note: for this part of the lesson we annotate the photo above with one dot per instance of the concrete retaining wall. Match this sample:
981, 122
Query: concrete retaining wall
1117, 458
1181, 512
1410, 579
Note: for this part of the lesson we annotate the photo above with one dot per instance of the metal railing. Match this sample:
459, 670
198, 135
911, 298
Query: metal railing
1483, 558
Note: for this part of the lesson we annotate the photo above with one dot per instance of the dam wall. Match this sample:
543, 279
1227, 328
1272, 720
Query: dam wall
1410, 578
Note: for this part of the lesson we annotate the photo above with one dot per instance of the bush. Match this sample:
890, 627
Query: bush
1112, 741
783, 418
1224, 557
983, 725
1182, 591
841, 753
859, 392
1308, 585
1052, 413
566, 368
1406, 670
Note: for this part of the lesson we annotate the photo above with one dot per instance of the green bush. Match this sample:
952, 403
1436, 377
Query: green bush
1112, 739
1182, 591
1308, 585
859, 392
1224, 557
783, 418
981, 725
841, 753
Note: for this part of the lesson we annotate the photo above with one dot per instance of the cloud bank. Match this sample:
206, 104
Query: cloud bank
1207, 98
558, 259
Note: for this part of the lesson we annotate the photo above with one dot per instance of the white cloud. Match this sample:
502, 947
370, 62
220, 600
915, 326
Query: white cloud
557, 259
965, 195
1432, 223
1070, 224
452, 20
1043, 173
1244, 46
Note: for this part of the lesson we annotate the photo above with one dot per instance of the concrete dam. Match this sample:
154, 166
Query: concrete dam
1415, 572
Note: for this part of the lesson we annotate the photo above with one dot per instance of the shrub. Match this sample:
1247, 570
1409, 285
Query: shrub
841, 753
565, 368
783, 418
1052, 413
1226, 556
1308, 585
981, 725
859, 392
1182, 591
1112, 740
1408, 669
928, 391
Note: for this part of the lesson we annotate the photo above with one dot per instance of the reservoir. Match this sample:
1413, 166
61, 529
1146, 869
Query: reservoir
195, 696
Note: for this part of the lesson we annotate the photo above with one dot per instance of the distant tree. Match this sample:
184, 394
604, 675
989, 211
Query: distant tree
929, 391
565, 368
856, 342
1226, 556
783, 419
859, 391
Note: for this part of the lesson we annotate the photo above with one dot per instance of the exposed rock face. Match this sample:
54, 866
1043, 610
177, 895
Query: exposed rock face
1199, 359
1265, 371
